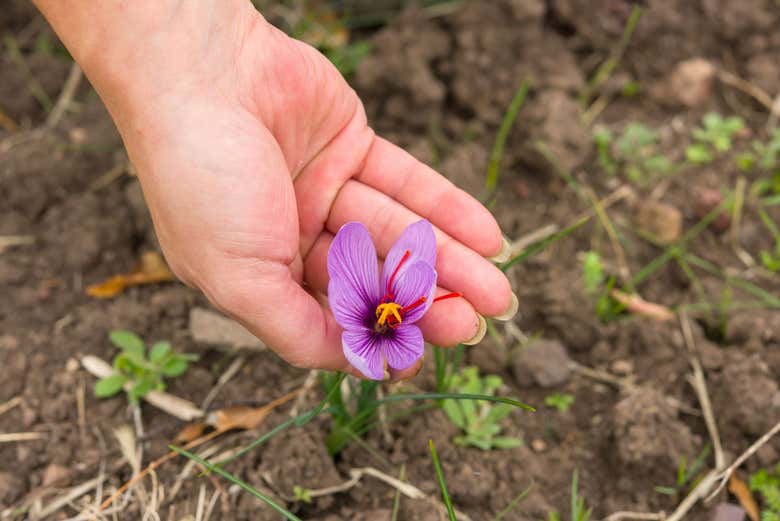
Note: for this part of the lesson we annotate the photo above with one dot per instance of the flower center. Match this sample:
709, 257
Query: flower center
390, 314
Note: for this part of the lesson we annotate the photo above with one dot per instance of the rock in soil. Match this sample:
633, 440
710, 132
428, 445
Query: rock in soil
661, 220
543, 362
648, 436
208, 327
728, 512
706, 200
691, 82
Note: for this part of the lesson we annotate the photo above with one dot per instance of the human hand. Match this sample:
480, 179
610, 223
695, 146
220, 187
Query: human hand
253, 151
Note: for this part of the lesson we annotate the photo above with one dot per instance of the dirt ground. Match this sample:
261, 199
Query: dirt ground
438, 84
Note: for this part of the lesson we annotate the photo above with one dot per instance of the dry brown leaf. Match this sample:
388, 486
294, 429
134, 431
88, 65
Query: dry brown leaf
245, 417
742, 492
190, 432
151, 268
636, 304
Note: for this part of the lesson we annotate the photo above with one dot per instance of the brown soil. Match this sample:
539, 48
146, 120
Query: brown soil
439, 86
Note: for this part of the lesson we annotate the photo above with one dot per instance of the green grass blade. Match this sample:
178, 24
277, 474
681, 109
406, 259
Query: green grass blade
455, 396
494, 166
233, 479
543, 244
445, 496
512, 504
397, 498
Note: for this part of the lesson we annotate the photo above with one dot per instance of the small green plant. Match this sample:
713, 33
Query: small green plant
480, 422
560, 401
353, 409
599, 286
766, 483
686, 475
578, 510
770, 259
301, 494
602, 137
637, 152
145, 371
713, 137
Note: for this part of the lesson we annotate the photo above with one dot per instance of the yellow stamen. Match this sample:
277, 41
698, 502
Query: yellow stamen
385, 310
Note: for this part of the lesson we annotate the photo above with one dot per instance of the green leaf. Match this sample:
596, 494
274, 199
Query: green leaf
505, 442
159, 351
592, 272
498, 412
130, 343
109, 385
142, 387
698, 154
174, 366
454, 413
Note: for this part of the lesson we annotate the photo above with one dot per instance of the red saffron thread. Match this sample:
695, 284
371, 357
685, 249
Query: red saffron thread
389, 294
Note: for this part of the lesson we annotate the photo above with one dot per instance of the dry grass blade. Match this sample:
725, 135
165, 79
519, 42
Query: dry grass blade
637, 305
21, 436
9, 241
74, 493
10, 404
66, 96
223, 420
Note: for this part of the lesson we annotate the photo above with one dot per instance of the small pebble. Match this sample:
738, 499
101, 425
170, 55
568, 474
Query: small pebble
538, 445
622, 367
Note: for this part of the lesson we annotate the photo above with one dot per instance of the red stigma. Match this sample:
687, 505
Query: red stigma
448, 295
388, 293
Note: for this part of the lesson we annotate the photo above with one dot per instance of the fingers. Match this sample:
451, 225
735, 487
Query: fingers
459, 267
447, 323
396, 173
265, 297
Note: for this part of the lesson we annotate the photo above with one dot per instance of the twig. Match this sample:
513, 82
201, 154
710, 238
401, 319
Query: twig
736, 218
10, 404
224, 378
74, 493
179, 407
21, 436
8, 241
695, 495
33, 84
66, 96
726, 474
700, 386
308, 384
755, 92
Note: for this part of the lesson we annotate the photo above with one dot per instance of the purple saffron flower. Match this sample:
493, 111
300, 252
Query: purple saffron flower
378, 313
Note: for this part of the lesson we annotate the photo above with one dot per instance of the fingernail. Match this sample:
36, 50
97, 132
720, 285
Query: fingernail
511, 311
504, 254
481, 330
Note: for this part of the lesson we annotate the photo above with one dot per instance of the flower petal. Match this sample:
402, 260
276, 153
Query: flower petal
362, 348
350, 312
352, 261
419, 240
404, 347
418, 280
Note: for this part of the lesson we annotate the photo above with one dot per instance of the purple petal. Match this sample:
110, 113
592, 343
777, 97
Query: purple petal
352, 262
362, 348
350, 312
404, 347
419, 240
418, 280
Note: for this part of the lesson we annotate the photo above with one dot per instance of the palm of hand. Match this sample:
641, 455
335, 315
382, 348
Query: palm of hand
250, 171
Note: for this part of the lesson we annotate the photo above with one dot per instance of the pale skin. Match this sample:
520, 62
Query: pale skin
252, 151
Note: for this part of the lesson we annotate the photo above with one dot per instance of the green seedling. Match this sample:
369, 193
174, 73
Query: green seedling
770, 259
578, 510
352, 407
146, 371
560, 401
713, 137
635, 153
686, 475
602, 137
599, 286
480, 422
766, 483
301, 494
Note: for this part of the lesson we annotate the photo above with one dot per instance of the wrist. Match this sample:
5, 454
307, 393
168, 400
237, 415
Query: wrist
133, 52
